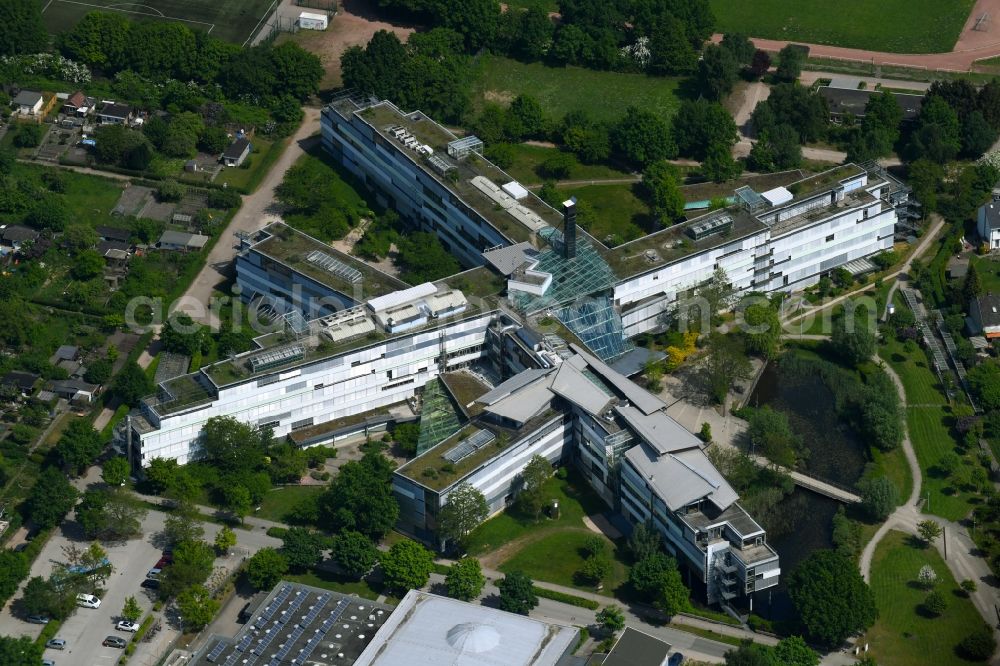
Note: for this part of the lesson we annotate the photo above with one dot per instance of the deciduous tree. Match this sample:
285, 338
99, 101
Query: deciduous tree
611, 619
51, 498
517, 594
354, 553
197, 607
131, 611
465, 579
830, 597
406, 566
116, 471
302, 548
929, 530
266, 568
465, 509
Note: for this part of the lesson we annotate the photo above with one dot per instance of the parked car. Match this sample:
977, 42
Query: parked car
127, 625
154, 573
56, 644
676, 659
88, 601
115, 642
151, 584
37, 619
48, 662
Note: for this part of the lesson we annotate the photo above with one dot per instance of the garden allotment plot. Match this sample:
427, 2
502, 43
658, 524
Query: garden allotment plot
235, 21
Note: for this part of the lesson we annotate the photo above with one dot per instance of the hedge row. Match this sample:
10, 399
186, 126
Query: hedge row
571, 599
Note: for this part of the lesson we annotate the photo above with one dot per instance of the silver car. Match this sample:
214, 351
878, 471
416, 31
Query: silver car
56, 644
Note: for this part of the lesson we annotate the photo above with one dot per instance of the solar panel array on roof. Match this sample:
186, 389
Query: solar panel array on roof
216, 651
334, 266
272, 358
469, 445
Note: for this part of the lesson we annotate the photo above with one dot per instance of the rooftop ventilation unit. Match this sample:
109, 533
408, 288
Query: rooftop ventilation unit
335, 266
714, 225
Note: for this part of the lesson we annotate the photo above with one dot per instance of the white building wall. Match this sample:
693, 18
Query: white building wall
325, 390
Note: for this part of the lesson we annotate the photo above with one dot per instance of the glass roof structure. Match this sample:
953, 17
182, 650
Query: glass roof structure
438, 417
583, 275
598, 325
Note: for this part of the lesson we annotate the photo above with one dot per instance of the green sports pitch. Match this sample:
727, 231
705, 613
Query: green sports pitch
232, 20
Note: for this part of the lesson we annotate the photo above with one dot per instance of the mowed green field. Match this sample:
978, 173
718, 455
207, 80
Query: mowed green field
232, 20
896, 26
603, 95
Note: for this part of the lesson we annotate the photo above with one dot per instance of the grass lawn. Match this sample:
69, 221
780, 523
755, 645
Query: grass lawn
527, 158
919, 381
897, 26
903, 635
89, 198
575, 499
893, 465
931, 439
329, 581
618, 214
563, 89
279, 501
989, 273
231, 20
265, 153
557, 557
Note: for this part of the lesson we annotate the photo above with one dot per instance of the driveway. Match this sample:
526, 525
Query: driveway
258, 209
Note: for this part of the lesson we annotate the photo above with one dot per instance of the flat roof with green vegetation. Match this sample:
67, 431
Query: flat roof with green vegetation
292, 247
904, 633
896, 26
824, 180
602, 95
383, 115
478, 282
432, 470
466, 389
232, 20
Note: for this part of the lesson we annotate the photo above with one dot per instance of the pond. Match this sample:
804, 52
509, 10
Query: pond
836, 453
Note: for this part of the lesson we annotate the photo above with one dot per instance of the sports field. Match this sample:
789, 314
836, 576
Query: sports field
896, 26
232, 20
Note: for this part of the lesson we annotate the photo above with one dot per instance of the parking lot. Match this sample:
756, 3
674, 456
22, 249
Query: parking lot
86, 628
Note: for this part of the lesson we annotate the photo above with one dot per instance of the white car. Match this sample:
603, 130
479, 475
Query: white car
88, 601
126, 625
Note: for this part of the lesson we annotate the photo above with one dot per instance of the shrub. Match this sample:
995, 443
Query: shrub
562, 597
277, 532
979, 645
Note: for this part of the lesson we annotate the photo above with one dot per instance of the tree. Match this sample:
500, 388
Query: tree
21, 651
131, 611
14, 567
985, 382
360, 498
879, 497
531, 497
796, 106
977, 135
266, 568
298, 70
302, 548
968, 586
197, 607
700, 125
111, 514
659, 182
22, 32
116, 471
760, 63
183, 524
131, 384
594, 569
225, 539
50, 500
979, 645
771, 435
935, 604
830, 597
232, 445
777, 148
929, 530
642, 138
517, 594
793, 651
790, 61
87, 264
237, 500
749, 653
645, 541
422, 258
740, 46
611, 619
853, 339
528, 114
406, 566
465, 579
656, 578
465, 509
973, 286
725, 364
354, 553
43, 597
937, 136
98, 39
762, 328
99, 372
78, 446
192, 565
717, 71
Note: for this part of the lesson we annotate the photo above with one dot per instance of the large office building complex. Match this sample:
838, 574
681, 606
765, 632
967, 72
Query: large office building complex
523, 354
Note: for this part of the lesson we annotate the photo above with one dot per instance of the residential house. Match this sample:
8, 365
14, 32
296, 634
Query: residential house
75, 390
113, 234
180, 240
65, 353
237, 152
79, 105
22, 383
113, 113
984, 313
28, 102
988, 224
14, 236
844, 102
